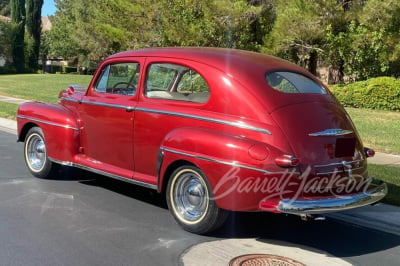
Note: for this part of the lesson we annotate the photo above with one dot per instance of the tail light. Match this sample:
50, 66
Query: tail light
369, 152
287, 161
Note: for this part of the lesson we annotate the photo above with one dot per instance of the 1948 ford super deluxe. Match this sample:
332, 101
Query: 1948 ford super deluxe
216, 130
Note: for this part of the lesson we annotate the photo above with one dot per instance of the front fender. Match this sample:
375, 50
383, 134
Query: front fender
59, 126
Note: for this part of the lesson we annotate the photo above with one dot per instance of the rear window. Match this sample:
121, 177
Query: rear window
289, 82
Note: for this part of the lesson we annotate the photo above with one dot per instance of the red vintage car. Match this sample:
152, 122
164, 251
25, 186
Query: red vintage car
216, 130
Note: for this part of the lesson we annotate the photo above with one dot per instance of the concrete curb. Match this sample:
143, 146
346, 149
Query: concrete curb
385, 159
9, 126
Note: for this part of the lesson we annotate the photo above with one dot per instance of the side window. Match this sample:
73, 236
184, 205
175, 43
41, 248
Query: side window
119, 79
176, 82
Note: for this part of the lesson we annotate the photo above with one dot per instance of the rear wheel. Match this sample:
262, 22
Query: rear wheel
35, 154
190, 201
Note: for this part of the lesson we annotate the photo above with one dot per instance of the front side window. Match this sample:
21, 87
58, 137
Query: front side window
176, 82
289, 82
119, 79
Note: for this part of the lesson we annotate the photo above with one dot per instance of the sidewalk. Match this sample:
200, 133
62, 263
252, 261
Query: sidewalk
11, 99
382, 217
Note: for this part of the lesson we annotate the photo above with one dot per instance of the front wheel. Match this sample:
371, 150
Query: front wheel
35, 154
190, 201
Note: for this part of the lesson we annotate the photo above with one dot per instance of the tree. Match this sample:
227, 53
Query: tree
33, 31
4, 8
297, 33
381, 23
94, 29
18, 21
223, 23
5, 40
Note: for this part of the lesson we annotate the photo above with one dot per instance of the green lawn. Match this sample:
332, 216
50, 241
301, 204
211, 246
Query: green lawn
379, 130
8, 110
41, 87
391, 176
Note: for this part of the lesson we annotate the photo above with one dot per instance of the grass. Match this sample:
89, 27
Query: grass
41, 87
379, 130
391, 176
8, 110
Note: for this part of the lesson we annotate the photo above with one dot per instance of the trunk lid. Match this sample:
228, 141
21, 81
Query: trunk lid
323, 137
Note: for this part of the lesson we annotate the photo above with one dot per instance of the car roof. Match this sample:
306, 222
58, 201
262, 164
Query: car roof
248, 68
218, 57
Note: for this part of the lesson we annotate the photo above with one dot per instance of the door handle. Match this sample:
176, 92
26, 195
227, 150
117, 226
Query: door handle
129, 109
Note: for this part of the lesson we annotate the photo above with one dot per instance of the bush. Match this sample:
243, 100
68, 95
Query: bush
68, 70
7, 70
381, 93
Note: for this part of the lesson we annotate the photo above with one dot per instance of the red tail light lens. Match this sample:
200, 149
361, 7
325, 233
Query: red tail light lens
369, 152
287, 161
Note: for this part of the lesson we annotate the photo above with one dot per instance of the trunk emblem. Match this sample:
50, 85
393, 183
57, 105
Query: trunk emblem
331, 132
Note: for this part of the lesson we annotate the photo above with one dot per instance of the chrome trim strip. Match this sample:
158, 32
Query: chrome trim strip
333, 204
202, 118
335, 172
234, 164
108, 105
335, 164
331, 132
47, 123
100, 172
69, 99
160, 159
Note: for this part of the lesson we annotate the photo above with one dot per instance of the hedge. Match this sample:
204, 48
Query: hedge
381, 93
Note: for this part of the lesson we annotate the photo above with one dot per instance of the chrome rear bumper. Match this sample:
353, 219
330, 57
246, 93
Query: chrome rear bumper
326, 205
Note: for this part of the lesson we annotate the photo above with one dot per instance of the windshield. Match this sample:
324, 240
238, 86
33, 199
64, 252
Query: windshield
289, 82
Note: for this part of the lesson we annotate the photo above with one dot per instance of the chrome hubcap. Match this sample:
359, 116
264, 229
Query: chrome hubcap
36, 152
190, 197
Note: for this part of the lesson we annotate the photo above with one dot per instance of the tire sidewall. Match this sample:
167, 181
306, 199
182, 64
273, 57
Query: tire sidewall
208, 220
44, 171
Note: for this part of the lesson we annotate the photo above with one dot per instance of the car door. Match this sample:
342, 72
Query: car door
107, 113
172, 91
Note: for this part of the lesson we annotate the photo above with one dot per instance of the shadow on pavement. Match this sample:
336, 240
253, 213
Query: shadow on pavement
334, 237
337, 238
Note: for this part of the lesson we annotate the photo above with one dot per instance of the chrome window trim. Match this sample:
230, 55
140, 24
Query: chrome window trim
100, 172
202, 118
204, 158
47, 123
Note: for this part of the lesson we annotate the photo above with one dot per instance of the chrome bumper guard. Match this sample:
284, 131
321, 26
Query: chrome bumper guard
341, 203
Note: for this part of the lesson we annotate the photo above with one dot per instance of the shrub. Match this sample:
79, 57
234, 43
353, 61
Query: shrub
7, 70
68, 70
381, 93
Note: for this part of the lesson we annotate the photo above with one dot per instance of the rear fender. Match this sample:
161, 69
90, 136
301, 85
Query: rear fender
59, 126
214, 152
